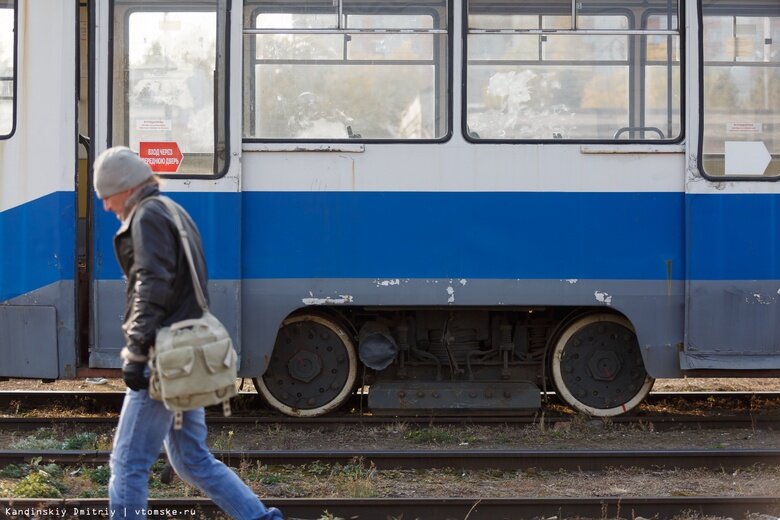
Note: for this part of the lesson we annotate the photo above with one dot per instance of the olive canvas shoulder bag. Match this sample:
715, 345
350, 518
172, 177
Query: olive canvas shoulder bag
193, 362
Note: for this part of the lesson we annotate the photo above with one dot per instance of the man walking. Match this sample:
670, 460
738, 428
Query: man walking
159, 292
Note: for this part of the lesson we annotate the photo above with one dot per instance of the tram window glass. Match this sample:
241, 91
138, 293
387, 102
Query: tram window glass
662, 74
380, 72
741, 75
536, 71
165, 63
7, 66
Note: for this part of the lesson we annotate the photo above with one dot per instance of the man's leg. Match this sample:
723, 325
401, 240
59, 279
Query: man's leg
143, 425
193, 462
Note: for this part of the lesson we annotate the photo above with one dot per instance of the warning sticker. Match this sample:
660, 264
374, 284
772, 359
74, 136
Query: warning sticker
162, 157
744, 128
153, 124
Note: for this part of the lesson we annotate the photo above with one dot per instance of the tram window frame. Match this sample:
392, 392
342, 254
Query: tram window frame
636, 44
733, 10
220, 80
440, 33
13, 5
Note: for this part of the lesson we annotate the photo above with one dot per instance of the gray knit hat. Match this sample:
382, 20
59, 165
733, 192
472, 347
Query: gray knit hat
119, 169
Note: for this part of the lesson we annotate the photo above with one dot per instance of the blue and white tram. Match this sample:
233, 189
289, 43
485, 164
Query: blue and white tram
453, 202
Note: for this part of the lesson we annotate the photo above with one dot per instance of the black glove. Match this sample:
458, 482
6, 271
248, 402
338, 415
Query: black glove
133, 374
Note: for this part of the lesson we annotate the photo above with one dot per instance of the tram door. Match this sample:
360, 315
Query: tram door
38, 142
161, 90
733, 189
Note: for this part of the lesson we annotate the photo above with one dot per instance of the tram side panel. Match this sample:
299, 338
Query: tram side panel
427, 227
37, 198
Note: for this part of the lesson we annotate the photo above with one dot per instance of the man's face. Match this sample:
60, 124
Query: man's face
116, 203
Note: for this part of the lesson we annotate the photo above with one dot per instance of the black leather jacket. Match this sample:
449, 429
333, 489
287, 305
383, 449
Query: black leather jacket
159, 284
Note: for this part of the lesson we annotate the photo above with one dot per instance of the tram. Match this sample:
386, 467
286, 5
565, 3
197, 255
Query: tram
456, 204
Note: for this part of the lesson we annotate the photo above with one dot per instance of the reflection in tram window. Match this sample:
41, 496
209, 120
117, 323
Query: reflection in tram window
164, 79
741, 82
546, 73
379, 74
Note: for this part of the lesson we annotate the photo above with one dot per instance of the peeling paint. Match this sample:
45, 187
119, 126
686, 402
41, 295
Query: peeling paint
343, 298
451, 292
571, 280
463, 282
603, 297
761, 300
387, 283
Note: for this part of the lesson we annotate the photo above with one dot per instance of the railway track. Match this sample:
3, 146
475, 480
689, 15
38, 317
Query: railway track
430, 508
250, 404
659, 422
505, 460
700, 410
435, 508
251, 401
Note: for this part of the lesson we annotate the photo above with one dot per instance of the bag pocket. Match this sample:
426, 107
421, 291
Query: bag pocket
176, 363
219, 355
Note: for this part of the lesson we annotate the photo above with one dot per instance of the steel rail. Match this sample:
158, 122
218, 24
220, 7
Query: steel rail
658, 423
426, 508
112, 401
505, 460
249, 411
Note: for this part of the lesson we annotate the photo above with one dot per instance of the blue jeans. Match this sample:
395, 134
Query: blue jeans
143, 426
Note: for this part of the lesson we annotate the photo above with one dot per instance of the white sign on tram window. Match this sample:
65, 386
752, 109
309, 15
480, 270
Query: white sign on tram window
744, 127
159, 125
746, 157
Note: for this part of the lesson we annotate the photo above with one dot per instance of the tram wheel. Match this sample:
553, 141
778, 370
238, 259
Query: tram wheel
597, 366
313, 367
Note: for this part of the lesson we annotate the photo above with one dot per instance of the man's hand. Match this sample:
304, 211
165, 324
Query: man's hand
133, 374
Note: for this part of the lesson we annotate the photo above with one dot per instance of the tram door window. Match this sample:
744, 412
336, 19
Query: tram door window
573, 70
741, 86
168, 84
346, 70
7, 66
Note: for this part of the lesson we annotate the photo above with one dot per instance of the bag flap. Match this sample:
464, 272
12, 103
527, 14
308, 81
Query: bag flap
219, 355
176, 363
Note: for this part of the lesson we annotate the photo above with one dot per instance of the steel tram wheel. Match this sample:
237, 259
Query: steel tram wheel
313, 367
597, 366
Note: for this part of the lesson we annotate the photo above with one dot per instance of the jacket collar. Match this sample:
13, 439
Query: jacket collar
144, 192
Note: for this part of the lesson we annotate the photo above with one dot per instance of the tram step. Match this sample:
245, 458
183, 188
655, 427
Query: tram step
453, 395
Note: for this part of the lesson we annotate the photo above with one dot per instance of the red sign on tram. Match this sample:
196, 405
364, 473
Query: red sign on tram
162, 157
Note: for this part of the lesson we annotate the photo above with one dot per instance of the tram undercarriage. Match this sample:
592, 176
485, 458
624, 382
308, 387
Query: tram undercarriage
443, 360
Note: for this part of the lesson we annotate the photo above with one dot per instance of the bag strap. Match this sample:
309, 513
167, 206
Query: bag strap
187, 250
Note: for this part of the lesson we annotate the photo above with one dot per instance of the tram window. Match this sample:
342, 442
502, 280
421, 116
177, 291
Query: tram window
741, 81
166, 59
7, 66
539, 72
379, 72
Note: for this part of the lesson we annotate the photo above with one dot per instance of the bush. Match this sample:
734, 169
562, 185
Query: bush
100, 475
36, 485
81, 441
54, 470
12, 471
